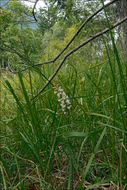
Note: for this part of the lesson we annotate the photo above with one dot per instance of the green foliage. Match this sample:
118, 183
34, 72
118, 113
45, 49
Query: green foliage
42, 147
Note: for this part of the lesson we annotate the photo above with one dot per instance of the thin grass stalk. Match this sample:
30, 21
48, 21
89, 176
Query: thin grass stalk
3, 177
122, 78
114, 84
91, 159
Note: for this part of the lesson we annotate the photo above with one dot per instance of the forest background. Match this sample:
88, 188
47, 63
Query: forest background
63, 95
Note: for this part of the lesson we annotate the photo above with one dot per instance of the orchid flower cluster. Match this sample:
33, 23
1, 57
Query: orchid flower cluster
63, 99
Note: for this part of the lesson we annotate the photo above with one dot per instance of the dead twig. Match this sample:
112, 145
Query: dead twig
75, 49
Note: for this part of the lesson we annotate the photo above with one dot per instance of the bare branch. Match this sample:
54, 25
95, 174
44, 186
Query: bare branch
73, 38
82, 26
33, 12
75, 49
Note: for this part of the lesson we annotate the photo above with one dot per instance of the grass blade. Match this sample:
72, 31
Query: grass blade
91, 158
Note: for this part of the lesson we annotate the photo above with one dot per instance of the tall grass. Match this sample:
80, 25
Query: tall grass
42, 148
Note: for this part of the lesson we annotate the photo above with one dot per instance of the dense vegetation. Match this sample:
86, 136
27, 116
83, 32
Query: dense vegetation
73, 135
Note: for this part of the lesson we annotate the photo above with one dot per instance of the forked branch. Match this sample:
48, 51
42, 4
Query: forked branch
72, 39
75, 49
